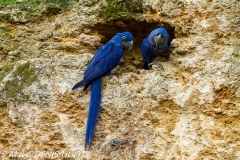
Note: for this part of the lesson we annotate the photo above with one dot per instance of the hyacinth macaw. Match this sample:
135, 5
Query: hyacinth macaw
156, 44
105, 59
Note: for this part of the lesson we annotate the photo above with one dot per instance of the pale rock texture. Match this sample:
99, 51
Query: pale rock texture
191, 110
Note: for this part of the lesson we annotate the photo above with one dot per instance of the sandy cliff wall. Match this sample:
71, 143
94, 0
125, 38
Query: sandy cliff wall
189, 111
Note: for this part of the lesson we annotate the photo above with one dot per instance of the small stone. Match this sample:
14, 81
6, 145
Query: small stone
118, 143
132, 141
13, 53
217, 110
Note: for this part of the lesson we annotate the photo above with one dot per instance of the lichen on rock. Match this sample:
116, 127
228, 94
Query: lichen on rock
16, 79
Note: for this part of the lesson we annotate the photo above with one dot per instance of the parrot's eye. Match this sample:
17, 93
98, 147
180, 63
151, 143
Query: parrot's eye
123, 37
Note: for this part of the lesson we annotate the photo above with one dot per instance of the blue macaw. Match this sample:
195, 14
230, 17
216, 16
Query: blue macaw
156, 44
105, 59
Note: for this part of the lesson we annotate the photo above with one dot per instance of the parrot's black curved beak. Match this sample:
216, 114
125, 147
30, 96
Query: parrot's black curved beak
128, 45
158, 39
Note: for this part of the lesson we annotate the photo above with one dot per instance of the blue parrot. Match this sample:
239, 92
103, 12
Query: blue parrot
156, 44
105, 59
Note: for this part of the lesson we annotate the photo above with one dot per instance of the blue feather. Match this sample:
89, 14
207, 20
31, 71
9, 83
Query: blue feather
150, 50
105, 59
93, 111
79, 84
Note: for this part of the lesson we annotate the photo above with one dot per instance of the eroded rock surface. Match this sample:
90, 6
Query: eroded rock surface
189, 111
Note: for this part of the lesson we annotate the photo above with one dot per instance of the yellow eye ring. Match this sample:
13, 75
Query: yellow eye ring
123, 37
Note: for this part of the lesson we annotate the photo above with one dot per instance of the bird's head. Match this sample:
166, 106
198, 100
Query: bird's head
125, 39
156, 36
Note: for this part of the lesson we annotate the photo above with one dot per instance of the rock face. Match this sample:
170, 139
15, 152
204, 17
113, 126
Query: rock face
189, 111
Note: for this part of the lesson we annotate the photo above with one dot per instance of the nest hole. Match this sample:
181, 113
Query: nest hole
140, 29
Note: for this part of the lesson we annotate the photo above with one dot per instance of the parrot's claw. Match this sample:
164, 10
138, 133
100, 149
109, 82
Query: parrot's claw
156, 63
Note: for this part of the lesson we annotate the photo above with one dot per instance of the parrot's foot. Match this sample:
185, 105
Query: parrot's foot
156, 63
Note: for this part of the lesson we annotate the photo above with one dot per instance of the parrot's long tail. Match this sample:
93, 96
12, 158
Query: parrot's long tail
93, 111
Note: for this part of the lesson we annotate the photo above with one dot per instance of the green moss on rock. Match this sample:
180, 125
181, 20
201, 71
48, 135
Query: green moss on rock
236, 55
23, 76
121, 9
30, 10
5, 70
7, 42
